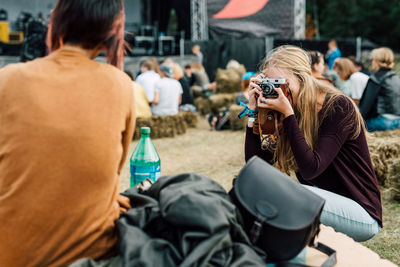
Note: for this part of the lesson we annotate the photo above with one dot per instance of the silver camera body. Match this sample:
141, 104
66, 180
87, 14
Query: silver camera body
268, 86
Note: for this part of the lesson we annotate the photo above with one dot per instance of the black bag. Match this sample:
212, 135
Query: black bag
280, 216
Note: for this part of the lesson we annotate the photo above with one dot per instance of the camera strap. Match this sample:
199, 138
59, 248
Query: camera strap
270, 141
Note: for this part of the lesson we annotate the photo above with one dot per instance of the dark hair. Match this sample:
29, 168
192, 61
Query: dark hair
89, 23
187, 66
355, 61
315, 58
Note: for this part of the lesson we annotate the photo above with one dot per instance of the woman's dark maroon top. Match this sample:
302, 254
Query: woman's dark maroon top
338, 163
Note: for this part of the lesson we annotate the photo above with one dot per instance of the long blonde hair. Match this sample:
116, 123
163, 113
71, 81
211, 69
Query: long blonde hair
297, 62
384, 57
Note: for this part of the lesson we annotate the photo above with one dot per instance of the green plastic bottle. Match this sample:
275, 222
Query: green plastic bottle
145, 162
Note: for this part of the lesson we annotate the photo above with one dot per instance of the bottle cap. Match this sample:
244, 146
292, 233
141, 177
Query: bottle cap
145, 130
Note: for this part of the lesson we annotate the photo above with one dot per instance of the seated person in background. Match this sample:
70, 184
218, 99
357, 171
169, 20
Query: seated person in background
380, 103
142, 105
64, 136
148, 79
318, 67
354, 82
154, 64
168, 93
343, 69
244, 95
199, 82
323, 142
187, 99
188, 72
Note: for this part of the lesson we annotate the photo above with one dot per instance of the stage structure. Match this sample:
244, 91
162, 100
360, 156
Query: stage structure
199, 23
257, 18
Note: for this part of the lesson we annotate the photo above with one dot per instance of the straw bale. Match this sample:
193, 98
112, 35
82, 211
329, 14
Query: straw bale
234, 121
203, 105
394, 173
391, 133
228, 81
219, 101
161, 126
191, 118
382, 151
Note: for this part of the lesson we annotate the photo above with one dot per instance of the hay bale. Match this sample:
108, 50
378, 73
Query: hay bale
219, 101
161, 126
228, 81
382, 151
203, 105
143, 122
395, 178
190, 118
234, 121
391, 133
241, 69
179, 124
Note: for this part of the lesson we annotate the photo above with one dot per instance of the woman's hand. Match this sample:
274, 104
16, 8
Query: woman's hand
254, 91
281, 103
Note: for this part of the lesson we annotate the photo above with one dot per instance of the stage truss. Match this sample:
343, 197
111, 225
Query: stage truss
199, 21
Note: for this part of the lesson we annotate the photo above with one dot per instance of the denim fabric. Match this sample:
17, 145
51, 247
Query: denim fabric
381, 123
346, 216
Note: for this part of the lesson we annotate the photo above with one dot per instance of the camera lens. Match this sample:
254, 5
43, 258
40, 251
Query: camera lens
268, 89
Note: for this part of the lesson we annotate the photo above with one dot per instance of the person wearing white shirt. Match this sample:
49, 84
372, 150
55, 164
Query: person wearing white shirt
358, 81
168, 93
354, 82
148, 78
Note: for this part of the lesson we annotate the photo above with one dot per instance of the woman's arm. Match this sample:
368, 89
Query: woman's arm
331, 136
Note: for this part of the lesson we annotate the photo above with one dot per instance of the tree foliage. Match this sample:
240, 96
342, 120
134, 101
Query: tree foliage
377, 20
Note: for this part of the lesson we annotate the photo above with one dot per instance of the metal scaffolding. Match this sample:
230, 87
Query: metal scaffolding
199, 21
299, 19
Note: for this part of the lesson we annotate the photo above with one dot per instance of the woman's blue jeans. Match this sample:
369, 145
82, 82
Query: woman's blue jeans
346, 216
381, 123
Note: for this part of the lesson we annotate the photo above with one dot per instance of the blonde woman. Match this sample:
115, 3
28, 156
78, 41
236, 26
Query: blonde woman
354, 82
323, 141
380, 104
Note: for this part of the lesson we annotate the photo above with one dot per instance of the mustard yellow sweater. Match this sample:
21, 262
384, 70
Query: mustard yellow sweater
66, 122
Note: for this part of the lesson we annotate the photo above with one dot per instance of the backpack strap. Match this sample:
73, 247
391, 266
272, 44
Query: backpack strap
331, 261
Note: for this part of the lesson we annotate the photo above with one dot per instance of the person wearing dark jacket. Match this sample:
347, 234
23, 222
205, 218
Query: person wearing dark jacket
180, 77
380, 103
323, 141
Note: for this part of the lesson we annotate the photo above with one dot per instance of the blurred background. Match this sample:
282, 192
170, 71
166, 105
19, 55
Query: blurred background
224, 29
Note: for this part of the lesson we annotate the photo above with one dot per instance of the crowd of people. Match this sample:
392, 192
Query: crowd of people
163, 88
377, 94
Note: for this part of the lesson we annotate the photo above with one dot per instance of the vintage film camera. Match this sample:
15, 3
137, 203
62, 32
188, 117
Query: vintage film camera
268, 122
268, 86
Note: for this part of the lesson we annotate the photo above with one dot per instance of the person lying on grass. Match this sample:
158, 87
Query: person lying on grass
323, 141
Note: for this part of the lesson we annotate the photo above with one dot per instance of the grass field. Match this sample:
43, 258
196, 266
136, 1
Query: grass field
220, 156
